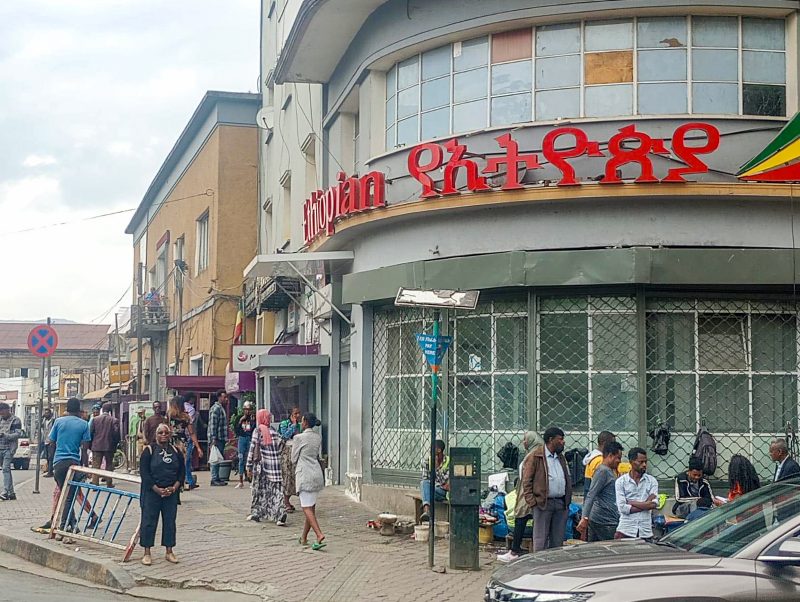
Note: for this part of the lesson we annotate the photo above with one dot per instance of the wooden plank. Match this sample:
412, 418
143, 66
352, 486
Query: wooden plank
608, 67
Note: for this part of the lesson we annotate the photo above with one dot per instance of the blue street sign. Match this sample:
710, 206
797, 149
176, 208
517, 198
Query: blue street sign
433, 347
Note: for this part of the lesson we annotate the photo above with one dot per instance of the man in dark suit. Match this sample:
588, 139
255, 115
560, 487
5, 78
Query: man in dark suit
787, 467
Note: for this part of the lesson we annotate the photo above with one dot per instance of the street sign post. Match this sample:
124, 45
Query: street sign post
434, 347
42, 342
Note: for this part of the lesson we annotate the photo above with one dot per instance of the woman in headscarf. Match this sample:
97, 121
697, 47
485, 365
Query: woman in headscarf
162, 469
288, 429
264, 468
309, 478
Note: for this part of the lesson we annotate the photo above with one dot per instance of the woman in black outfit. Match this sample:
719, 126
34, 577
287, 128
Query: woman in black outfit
162, 468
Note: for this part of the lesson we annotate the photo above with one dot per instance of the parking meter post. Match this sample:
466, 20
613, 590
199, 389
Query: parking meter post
432, 469
465, 499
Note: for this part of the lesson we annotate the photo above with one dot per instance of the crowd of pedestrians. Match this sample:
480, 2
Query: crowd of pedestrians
620, 496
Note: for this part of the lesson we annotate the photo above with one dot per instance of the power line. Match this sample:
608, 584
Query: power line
208, 192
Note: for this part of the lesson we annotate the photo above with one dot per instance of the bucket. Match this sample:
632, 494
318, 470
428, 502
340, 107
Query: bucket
485, 534
224, 470
441, 529
422, 532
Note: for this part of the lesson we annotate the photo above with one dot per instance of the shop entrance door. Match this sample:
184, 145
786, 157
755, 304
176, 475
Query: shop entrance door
293, 388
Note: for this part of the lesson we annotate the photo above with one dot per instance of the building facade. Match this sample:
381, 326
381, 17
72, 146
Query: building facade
615, 182
193, 233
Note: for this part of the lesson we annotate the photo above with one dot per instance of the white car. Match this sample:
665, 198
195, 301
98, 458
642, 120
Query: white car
22, 457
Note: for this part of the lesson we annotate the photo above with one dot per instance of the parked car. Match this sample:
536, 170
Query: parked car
748, 549
22, 457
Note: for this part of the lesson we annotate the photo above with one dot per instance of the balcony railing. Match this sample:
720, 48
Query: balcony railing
271, 294
151, 316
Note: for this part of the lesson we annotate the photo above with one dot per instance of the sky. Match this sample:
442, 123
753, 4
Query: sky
93, 94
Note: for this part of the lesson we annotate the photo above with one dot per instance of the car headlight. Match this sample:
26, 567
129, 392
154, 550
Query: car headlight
500, 593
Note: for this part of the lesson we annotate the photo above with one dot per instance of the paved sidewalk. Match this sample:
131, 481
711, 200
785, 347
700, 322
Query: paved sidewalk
219, 549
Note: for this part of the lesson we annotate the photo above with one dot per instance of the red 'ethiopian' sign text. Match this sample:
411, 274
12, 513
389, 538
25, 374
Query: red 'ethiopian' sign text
437, 173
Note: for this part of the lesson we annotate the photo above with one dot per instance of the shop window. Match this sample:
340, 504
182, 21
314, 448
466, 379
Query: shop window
201, 256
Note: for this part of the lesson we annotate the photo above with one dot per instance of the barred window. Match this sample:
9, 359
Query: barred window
728, 364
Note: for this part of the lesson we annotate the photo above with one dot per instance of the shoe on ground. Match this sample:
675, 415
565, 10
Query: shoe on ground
253, 518
93, 522
216, 483
507, 557
48, 475
4, 497
147, 561
424, 517
239, 485
281, 522
170, 557
12, 496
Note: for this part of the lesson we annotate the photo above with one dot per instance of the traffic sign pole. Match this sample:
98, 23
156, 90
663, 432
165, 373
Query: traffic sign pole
42, 342
432, 465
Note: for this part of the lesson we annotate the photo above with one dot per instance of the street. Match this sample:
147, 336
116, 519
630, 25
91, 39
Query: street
32, 588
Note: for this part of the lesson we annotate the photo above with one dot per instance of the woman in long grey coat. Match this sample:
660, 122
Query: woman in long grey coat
309, 479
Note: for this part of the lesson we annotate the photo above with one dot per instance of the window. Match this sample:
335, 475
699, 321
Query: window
201, 258
180, 245
196, 366
5, 372
642, 66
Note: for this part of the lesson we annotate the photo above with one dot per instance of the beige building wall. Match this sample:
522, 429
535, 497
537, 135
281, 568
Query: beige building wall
226, 167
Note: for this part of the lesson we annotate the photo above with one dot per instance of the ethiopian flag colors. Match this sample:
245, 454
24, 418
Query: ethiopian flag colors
780, 159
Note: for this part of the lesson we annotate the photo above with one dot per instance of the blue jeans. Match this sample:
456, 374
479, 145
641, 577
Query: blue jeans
6, 455
190, 480
697, 513
244, 449
215, 467
425, 490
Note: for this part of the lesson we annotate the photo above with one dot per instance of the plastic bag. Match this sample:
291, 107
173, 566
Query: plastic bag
215, 457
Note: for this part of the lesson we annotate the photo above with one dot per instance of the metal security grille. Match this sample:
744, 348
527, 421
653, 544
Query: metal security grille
621, 363
731, 365
586, 357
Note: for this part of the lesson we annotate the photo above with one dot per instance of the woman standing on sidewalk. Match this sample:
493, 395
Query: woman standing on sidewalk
264, 468
309, 478
288, 429
184, 437
162, 469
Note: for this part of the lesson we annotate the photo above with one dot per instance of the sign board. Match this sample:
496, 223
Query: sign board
9, 396
244, 358
43, 340
119, 373
433, 347
71, 387
55, 377
440, 167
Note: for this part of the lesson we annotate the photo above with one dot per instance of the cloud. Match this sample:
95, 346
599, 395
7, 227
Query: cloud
39, 160
95, 93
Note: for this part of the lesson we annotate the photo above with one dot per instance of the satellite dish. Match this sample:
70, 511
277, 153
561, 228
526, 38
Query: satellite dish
265, 118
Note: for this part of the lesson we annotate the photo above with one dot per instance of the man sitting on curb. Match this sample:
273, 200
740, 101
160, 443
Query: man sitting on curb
441, 475
693, 495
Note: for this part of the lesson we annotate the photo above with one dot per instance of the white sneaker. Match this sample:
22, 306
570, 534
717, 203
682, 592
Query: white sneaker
507, 557
239, 486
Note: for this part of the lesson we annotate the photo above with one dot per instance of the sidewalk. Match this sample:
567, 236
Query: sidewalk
220, 550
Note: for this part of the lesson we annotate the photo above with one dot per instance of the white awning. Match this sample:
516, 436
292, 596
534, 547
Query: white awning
290, 264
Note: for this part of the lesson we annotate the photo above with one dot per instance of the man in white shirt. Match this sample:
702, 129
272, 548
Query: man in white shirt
637, 494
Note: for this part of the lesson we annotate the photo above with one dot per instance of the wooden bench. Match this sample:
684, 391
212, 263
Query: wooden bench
442, 508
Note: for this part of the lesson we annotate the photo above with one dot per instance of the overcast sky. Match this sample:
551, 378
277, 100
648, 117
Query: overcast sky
93, 94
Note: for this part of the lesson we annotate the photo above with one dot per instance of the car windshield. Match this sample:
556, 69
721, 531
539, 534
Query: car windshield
726, 530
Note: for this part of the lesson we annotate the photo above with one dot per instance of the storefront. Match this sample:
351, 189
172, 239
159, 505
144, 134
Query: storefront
617, 186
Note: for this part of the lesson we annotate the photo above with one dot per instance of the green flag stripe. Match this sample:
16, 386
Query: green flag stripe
789, 133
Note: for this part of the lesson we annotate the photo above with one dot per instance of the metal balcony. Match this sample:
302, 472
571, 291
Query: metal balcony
152, 317
270, 294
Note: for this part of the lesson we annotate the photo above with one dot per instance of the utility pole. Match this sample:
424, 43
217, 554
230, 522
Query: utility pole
40, 411
139, 317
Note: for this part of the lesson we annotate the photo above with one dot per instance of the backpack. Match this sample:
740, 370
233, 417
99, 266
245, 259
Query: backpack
705, 448
509, 455
661, 437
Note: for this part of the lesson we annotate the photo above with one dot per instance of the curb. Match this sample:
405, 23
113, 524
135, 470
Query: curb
53, 556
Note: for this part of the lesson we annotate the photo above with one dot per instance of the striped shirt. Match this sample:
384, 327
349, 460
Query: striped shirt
267, 456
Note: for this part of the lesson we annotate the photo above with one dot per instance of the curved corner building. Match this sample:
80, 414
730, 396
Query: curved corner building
615, 178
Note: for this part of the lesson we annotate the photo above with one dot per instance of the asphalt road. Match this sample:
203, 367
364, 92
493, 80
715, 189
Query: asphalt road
32, 588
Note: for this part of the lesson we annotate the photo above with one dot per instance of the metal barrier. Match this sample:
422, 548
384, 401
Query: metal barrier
82, 521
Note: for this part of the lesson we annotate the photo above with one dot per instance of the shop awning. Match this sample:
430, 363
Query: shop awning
100, 393
296, 264
199, 384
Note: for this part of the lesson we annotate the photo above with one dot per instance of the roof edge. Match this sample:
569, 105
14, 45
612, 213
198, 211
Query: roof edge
210, 100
